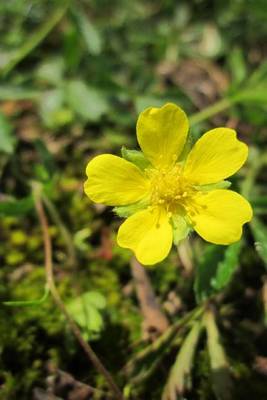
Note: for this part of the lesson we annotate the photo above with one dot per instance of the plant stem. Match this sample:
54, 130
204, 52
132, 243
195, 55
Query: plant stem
56, 296
63, 229
211, 110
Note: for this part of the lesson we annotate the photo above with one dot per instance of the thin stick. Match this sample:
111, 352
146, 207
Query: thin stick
154, 318
72, 261
54, 292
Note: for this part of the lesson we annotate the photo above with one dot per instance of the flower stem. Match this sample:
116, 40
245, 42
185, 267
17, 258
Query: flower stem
209, 111
56, 296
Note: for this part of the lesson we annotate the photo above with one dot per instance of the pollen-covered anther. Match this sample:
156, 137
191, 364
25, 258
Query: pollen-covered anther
169, 188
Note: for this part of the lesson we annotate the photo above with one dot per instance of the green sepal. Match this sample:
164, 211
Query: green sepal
136, 157
181, 229
127, 211
213, 186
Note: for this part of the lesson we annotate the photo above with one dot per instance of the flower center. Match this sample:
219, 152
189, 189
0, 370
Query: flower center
170, 189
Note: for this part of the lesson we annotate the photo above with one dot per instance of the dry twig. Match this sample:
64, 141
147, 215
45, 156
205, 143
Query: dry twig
54, 292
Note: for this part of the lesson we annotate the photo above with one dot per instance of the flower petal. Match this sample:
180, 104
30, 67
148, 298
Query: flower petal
215, 156
223, 214
148, 234
161, 133
114, 181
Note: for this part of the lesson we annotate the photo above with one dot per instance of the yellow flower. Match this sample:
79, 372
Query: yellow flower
166, 193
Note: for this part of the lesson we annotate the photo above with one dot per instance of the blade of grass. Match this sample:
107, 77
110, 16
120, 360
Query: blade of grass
28, 303
221, 378
147, 360
179, 379
35, 39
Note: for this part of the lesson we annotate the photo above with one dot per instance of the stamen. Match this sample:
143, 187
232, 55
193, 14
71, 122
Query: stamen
171, 190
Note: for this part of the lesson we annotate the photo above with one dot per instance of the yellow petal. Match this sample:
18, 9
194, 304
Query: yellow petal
161, 133
215, 156
148, 234
114, 181
222, 216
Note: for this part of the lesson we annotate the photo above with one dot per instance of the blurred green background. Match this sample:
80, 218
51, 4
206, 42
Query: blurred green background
73, 78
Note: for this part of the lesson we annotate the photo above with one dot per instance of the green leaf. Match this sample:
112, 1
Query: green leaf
221, 378
179, 379
16, 207
255, 94
52, 108
89, 32
85, 310
136, 157
215, 270
89, 103
259, 74
237, 65
227, 267
258, 201
213, 186
146, 361
46, 157
7, 138
95, 299
127, 211
206, 270
51, 70
259, 231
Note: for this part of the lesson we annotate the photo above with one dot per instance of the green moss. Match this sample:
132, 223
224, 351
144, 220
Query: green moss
14, 257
